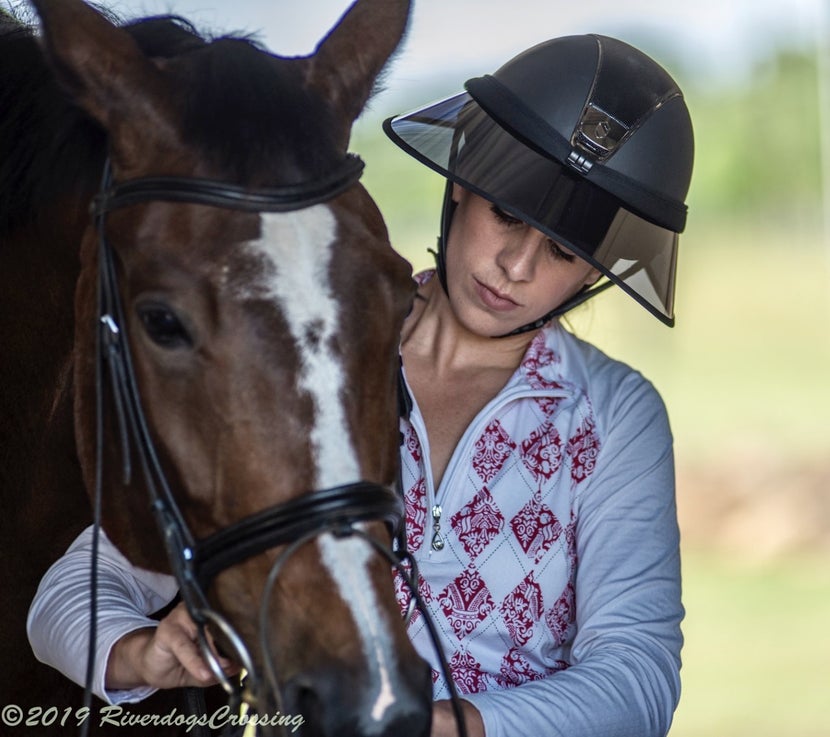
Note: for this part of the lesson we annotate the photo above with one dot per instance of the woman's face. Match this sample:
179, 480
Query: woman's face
503, 274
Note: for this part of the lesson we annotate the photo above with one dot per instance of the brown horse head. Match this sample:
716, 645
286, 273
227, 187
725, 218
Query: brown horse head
264, 342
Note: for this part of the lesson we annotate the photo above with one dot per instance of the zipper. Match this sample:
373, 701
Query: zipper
437, 542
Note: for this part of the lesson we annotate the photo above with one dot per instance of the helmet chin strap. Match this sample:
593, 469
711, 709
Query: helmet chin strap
583, 295
447, 212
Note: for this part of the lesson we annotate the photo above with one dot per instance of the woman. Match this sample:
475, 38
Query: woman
538, 473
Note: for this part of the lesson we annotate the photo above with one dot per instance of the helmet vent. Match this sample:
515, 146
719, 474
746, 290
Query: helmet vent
580, 162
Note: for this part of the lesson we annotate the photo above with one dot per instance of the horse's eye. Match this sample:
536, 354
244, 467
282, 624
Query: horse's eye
163, 327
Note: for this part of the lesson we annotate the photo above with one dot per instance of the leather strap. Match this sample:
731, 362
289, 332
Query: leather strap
332, 509
221, 194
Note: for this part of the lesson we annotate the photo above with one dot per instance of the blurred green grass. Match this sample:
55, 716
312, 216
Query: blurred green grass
756, 662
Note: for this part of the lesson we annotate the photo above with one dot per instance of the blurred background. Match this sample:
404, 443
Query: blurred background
746, 371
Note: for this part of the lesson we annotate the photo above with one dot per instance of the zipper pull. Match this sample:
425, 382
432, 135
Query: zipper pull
437, 540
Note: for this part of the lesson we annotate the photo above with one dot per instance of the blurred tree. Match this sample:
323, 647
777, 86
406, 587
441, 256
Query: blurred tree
758, 145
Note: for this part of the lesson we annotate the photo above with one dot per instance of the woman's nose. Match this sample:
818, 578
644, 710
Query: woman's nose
519, 254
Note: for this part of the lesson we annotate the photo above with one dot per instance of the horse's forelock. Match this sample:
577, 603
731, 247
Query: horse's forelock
165, 36
251, 116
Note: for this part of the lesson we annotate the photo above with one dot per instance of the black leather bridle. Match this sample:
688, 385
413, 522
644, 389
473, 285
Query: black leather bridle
195, 562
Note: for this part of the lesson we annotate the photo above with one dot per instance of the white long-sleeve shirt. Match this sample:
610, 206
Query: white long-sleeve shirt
59, 618
557, 591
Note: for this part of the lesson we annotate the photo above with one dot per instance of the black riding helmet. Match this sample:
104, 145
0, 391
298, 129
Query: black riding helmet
584, 138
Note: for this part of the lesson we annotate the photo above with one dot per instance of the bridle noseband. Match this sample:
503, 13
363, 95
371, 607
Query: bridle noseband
326, 509
196, 562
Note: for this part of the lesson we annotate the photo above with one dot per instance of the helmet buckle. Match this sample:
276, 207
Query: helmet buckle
598, 133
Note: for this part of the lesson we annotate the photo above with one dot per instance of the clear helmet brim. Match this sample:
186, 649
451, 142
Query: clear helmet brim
456, 138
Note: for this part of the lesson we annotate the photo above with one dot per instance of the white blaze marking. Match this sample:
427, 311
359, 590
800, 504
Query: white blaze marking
299, 244
348, 560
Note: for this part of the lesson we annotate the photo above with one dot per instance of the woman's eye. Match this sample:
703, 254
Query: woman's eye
503, 217
558, 253
556, 250
163, 327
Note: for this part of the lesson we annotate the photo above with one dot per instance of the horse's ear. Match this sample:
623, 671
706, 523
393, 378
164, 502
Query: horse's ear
347, 62
104, 71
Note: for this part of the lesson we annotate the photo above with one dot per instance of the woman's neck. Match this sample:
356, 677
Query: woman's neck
452, 372
433, 331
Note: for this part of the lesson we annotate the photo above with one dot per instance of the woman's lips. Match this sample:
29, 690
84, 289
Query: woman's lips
494, 299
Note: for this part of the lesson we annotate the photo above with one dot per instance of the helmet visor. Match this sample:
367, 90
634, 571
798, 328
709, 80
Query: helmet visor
456, 138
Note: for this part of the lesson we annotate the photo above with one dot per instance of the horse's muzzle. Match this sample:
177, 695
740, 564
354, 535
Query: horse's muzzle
333, 706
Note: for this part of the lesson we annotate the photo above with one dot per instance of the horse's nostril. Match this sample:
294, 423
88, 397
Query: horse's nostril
308, 703
409, 725
303, 704
338, 710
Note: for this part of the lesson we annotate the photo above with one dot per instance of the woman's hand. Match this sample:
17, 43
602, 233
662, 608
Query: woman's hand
444, 724
167, 656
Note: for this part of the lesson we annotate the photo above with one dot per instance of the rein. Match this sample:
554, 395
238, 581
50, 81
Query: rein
196, 562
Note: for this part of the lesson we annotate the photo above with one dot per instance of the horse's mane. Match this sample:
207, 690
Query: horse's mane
237, 112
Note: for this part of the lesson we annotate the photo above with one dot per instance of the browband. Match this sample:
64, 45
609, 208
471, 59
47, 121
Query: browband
221, 194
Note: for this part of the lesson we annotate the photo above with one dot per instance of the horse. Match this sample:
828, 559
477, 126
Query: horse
200, 314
